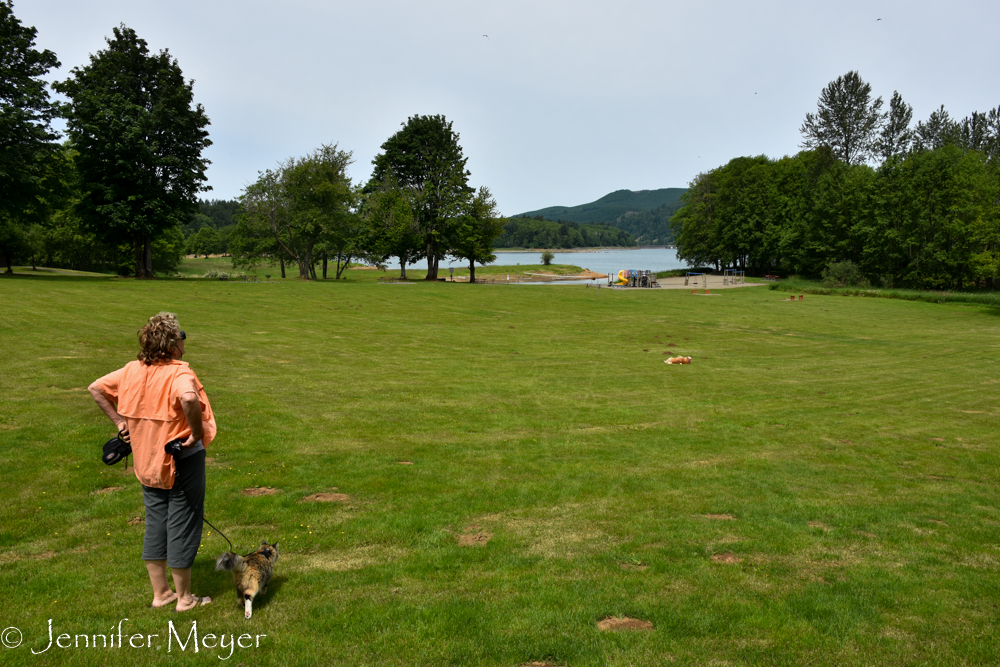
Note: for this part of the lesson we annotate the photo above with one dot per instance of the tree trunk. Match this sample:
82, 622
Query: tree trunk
281, 260
343, 261
472, 271
305, 262
325, 258
402, 266
148, 258
8, 260
140, 263
432, 273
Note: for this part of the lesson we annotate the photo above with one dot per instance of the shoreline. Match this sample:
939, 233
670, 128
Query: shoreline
583, 250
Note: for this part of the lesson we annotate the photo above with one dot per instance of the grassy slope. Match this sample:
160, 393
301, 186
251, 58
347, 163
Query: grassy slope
853, 440
980, 297
611, 206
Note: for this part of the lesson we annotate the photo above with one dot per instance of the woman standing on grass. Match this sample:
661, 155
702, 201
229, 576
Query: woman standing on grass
152, 401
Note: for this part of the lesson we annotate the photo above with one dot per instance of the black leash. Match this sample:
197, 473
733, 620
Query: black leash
219, 532
119, 448
173, 448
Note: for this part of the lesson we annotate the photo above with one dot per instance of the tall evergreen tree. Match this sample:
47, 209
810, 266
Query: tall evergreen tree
140, 140
27, 142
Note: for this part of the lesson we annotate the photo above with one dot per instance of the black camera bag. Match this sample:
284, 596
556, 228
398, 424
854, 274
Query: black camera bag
115, 450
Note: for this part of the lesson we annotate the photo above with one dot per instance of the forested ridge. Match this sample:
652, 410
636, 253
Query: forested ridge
880, 200
645, 214
538, 232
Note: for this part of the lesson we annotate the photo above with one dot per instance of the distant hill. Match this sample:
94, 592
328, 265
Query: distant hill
644, 214
538, 232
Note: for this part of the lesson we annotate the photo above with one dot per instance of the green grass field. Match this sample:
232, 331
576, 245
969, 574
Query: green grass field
818, 487
199, 266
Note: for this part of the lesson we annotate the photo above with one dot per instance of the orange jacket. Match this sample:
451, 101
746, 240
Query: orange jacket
148, 398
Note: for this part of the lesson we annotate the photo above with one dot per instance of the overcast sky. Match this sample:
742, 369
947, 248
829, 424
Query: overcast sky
563, 102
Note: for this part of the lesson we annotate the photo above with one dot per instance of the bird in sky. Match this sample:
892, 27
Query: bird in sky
487, 36
878, 19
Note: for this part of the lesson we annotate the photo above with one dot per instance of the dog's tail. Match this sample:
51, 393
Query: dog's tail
229, 562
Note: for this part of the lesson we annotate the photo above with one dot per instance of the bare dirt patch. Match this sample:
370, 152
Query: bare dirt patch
623, 623
866, 534
137, 521
538, 664
351, 559
260, 491
587, 273
938, 522
474, 539
405, 463
108, 489
720, 517
727, 558
327, 498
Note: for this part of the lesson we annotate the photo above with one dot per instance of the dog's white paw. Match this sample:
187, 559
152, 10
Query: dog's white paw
248, 608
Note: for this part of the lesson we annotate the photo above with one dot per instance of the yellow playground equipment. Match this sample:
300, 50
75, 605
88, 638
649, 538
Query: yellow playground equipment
636, 278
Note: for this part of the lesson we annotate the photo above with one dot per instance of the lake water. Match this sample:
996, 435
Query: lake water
602, 261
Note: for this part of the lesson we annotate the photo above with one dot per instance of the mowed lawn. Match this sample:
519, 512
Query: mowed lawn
818, 487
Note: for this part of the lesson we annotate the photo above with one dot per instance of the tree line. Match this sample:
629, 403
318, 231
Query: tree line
417, 205
207, 231
906, 205
115, 194
539, 232
120, 193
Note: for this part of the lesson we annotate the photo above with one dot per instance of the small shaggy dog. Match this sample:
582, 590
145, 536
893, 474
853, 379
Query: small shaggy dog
250, 573
678, 360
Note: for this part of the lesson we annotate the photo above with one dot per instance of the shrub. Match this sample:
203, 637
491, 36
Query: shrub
844, 274
547, 258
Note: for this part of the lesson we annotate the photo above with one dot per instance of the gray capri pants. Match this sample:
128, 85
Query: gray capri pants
173, 516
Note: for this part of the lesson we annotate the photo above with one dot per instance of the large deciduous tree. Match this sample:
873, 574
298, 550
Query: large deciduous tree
303, 211
425, 155
477, 230
140, 139
847, 119
27, 142
392, 231
940, 130
895, 137
260, 224
205, 242
320, 199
